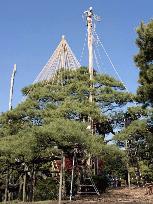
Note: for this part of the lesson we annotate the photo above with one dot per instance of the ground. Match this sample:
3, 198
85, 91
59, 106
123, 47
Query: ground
121, 196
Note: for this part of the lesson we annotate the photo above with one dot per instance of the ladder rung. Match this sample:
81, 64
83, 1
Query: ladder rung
55, 172
87, 185
87, 192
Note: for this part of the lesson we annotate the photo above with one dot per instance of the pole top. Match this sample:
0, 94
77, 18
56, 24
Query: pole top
90, 8
14, 68
89, 14
63, 37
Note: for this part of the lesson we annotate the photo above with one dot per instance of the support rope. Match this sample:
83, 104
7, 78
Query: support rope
83, 48
100, 42
96, 60
103, 69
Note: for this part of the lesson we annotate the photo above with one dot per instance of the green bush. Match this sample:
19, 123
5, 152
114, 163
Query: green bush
46, 189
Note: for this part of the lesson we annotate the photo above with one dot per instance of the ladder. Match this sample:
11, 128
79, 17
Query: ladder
88, 187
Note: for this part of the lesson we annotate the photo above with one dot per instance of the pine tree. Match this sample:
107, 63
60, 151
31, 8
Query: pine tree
56, 114
144, 61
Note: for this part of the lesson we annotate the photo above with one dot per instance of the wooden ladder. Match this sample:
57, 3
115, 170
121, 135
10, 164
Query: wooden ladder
88, 187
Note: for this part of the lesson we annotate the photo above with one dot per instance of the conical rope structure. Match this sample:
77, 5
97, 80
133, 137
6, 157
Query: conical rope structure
62, 58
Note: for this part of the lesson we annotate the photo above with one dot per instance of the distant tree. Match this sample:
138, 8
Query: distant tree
144, 61
137, 135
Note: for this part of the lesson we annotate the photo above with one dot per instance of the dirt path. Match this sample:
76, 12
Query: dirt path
133, 196
121, 196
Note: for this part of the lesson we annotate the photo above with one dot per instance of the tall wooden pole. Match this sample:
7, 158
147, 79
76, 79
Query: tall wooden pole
89, 15
12, 87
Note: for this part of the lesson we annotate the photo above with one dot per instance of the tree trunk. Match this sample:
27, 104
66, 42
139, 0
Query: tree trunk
34, 184
61, 178
137, 172
127, 165
20, 187
129, 179
64, 192
24, 187
6, 186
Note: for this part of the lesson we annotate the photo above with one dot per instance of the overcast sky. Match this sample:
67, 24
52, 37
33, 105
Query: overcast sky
30, 30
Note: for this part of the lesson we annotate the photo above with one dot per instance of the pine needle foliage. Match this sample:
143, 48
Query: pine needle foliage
54, 117
144, 61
